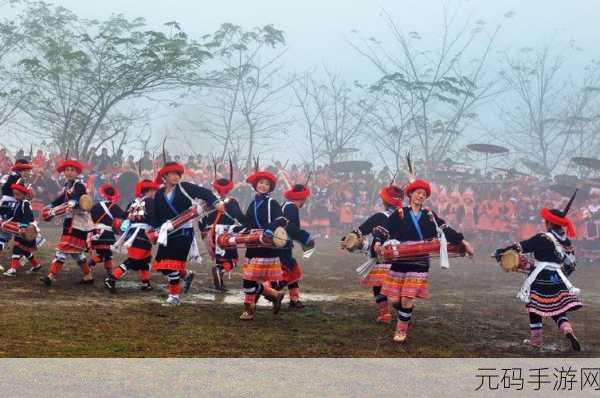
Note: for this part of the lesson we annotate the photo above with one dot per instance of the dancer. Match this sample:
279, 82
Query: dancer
547, 292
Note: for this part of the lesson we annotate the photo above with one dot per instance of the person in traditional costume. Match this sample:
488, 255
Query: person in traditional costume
295, 197
76, 223
407, 279
174, 198
262, 266
20, 171
22, 214
224, 260
392, 197
106, 215
135, 238
547, 291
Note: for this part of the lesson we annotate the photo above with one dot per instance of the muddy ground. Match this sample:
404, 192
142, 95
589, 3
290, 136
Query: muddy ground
472, 312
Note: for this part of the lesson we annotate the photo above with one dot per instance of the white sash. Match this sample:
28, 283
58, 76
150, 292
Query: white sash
525, 290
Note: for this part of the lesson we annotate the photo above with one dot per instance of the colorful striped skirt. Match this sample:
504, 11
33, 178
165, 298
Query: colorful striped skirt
292, 274
377, 275
549, 296
262, 269
72, 243
405, 284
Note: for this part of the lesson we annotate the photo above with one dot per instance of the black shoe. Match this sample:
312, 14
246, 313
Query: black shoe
187, 281
86, 281
574, 342
146, 287
296, 304
35, 269
47, 281
110, 284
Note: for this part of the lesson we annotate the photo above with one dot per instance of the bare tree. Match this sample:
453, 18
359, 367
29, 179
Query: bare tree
546, 111
434, 94
304, 88
247, 108
332, 114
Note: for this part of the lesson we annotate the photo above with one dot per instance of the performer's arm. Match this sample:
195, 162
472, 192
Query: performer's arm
232, 207
59, 200
292, 214
524, 246
370, 223
452, 235
198, 192
117, 212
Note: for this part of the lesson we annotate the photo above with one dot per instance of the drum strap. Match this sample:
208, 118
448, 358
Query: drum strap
256, 206
106, 212
169, 203
415, 219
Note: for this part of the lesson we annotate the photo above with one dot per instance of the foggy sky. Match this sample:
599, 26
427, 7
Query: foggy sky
318, 31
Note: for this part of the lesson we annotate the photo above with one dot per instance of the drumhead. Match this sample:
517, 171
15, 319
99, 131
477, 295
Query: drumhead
352, 241
280, 237
85, 203
510, 260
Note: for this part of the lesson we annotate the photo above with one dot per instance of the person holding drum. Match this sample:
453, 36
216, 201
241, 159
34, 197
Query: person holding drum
75, 204
547, 292
20, 171
392, 198
25, 243
262, 267
407, 278
135, 239
174, 198
295, 197
225, 260
106, 214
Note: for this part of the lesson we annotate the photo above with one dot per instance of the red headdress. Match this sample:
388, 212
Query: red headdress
69, 163
170, 167
145, 185
253, 179
223, 185
559, 217
109, 193
19, 186
298, 192
22, 165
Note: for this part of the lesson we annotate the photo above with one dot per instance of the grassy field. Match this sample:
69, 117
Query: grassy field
472, 312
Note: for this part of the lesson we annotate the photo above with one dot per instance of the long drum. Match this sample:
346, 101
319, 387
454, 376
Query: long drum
48, 213
13, 227
188, 215
253, 238
410, 250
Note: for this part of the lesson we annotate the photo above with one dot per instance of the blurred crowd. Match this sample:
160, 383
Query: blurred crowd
488, 209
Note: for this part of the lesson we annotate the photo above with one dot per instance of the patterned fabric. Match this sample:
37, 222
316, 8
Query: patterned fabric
71, 244
136, 253
292, 274
549, 296
405, 284
377, 275
262, 269
167, 264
